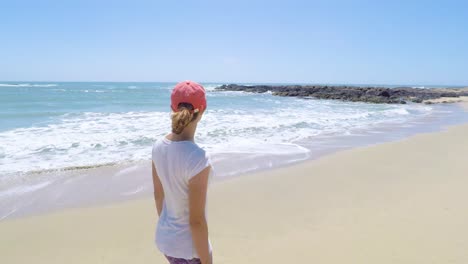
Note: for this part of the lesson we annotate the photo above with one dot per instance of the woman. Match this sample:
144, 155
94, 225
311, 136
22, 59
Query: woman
180, 176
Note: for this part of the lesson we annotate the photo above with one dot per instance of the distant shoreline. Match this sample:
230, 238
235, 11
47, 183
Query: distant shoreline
379, 95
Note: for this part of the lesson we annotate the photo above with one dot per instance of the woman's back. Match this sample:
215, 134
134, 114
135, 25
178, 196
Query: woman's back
176, 163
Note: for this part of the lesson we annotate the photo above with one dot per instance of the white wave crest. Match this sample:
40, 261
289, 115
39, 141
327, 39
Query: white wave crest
27, 85
259, 124
210, 87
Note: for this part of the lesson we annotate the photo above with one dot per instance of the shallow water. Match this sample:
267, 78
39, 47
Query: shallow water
62, 140
49, 126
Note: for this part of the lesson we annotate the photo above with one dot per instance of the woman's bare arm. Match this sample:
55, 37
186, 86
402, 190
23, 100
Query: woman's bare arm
158, 190
198, 186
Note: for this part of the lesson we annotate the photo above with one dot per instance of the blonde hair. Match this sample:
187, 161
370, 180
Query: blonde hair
182, 117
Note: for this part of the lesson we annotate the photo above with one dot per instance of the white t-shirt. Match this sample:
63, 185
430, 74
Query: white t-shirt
176, 163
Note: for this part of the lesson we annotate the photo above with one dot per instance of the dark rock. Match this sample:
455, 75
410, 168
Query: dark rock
378, 95
416, 100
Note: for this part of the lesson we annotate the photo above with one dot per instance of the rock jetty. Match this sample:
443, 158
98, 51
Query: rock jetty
381, 95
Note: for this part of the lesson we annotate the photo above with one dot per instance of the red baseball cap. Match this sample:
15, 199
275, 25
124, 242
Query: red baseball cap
188, 92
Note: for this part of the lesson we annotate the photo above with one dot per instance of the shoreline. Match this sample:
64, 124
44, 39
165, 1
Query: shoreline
114, 184
396, 202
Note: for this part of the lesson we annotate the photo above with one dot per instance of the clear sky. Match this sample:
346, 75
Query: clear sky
376, 42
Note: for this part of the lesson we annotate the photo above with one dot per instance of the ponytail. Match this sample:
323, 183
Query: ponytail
182, 117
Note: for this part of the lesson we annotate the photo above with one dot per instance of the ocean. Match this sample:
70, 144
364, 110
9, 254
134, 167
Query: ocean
48, 129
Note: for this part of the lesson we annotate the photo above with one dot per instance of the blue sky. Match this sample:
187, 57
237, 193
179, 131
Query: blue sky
379, 42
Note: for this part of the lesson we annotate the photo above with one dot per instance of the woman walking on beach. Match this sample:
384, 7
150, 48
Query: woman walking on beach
180, 176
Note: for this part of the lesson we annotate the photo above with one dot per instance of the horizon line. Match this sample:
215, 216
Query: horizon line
241, 82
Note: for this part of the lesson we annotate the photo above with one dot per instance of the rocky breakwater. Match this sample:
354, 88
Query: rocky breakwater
382, 95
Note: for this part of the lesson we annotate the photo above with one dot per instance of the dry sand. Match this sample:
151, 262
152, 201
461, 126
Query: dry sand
402, 202
461, 99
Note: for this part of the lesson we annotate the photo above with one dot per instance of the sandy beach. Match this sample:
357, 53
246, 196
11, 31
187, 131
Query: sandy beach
462, 99
399, 202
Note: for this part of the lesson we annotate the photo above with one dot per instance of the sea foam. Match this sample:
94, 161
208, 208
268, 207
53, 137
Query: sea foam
27, 85
269, 125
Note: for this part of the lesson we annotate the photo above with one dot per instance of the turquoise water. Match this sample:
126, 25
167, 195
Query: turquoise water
38, 104
51, 126
50, 131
